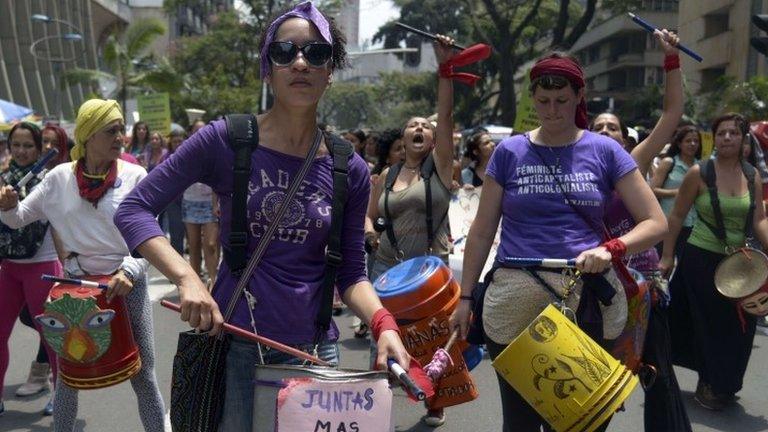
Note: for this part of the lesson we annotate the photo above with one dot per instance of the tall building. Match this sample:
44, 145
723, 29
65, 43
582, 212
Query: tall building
719, 30
619, 57
349, 21
31, 79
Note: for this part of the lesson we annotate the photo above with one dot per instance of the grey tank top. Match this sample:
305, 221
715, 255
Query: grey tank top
407, 209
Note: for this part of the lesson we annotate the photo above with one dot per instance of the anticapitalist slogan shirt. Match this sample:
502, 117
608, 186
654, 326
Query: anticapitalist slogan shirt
286, 284
537, 221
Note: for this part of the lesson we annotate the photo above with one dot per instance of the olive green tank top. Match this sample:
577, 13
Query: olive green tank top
734, 211
409, 218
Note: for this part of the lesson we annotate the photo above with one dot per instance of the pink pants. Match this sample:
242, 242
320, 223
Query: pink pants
20, 284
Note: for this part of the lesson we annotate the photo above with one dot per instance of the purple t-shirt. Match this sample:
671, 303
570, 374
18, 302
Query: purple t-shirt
619, 222
286, 283
537, 220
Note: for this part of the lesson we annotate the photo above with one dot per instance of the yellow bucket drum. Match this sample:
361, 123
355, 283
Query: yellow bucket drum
572, 382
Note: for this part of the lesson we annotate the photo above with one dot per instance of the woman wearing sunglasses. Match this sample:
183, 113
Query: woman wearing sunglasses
299, 51
79, 200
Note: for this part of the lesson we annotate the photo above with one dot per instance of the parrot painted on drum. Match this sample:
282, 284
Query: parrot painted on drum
76, 328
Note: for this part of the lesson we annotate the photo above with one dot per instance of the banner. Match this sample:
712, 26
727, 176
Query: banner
525, 117
707, 145
155, 110
312, 405
461, 213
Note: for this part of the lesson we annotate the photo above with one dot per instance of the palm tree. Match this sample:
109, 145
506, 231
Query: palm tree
129, 64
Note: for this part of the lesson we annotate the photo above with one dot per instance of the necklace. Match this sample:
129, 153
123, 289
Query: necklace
414, 169
555, 155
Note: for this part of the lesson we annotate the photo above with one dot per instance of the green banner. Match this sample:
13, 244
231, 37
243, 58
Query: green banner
155, 110
525, 118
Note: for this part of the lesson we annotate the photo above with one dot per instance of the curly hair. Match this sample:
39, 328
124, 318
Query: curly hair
339, 57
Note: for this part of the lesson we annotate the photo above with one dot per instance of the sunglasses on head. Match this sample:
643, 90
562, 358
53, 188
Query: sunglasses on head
316, 54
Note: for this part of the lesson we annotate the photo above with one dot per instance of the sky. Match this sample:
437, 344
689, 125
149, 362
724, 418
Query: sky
374, 14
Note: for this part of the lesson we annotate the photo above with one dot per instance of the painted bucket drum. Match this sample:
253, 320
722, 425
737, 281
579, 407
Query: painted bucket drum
743, 278
421, 293
573, 383
92, 338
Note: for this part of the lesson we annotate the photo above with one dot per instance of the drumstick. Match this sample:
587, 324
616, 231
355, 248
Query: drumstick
68, 281
644, 24
406, 380
425, 34
253, 337
36, 168
540, 262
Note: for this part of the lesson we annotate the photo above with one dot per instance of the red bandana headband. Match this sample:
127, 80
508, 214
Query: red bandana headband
569, 70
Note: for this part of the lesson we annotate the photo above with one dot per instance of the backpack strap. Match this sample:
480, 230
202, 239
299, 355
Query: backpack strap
708, 174
389, 183
342, 151
427, 169
243, 137
749, 173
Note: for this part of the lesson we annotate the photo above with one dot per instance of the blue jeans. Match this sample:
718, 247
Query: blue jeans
243, 355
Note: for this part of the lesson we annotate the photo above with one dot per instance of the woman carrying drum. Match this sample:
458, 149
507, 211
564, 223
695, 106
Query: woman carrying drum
300, 51
663, 408
412, 226
709, 334
79, 199
550, 185
30, 254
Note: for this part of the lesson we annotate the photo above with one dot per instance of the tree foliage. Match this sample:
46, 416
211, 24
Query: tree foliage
129, 63
517, 30
749, 98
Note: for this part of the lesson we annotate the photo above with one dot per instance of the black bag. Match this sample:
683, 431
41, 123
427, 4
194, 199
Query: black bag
24, 242
475, 336
199, 366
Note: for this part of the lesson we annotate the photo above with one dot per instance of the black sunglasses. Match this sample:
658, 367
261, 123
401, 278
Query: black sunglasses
316, 54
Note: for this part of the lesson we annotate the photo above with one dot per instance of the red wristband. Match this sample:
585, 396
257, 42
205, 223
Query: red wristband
616, 247
382, 321
671, 62
445, 70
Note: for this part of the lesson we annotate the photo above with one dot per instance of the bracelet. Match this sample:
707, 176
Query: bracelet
382, 321
445, 70
671, 62
467, 297
128, 275
616, 248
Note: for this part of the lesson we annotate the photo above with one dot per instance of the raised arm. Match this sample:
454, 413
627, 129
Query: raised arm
443, 152
644, 152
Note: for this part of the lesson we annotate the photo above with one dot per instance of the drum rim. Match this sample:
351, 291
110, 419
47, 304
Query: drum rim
738, 292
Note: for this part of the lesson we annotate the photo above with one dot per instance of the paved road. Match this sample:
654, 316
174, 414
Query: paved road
114, 409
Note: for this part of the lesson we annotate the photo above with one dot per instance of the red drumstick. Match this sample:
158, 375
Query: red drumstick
229, 328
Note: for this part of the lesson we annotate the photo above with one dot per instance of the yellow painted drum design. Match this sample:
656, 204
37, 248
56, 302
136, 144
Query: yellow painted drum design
573, 383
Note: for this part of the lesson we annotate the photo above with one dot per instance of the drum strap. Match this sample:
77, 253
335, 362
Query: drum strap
708, 174
426, 171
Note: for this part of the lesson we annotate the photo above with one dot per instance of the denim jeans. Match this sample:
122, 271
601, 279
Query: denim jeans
243, 355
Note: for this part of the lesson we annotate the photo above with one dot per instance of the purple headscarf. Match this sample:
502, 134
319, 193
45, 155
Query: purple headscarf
305, 10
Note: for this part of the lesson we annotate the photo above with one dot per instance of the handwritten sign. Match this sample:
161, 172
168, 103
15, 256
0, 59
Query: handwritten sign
155, 110
525, 116
707, 145
461, 212
312, 405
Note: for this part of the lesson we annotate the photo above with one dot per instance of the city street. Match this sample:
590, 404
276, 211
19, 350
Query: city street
114, 409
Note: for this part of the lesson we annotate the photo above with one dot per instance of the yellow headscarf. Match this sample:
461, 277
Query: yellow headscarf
93, 115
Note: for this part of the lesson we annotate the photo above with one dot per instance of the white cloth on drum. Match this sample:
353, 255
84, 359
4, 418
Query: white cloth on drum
514, 298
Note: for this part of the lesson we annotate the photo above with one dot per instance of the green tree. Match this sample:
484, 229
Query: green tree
518, 31
221, 68
128, 62
729, 94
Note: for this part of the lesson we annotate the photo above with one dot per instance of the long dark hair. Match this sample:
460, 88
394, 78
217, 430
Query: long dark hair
383, 145
135, 136
37, 135
473, 144
679, 136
